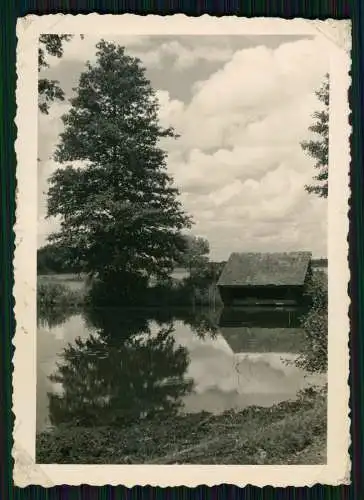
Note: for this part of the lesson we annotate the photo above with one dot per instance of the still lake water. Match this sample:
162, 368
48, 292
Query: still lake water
115, 364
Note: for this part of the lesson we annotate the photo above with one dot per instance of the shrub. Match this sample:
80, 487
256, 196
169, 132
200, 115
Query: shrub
135, 290
117, 289
201, 286
316, 290
57, 295
313, 356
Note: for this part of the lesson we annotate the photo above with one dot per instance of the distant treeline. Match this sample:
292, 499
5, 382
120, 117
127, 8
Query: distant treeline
55, 259
319, 262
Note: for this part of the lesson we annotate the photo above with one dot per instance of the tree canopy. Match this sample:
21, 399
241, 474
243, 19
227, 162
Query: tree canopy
119, 211
318, 148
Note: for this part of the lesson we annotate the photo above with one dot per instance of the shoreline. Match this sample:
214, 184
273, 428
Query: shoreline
288, 432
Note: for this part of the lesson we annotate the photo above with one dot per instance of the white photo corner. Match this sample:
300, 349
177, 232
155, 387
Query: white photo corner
181, 263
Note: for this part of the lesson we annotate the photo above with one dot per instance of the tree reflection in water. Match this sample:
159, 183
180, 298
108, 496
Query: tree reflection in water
203, 322
122, 373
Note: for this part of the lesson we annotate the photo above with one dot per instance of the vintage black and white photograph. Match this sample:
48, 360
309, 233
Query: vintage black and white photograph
182, 249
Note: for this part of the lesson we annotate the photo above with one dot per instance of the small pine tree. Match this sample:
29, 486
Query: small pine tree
318, 148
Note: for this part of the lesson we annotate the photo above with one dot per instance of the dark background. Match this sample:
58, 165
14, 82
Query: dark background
9, 12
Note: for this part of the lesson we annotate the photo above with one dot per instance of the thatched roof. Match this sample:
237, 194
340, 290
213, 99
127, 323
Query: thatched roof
264, 269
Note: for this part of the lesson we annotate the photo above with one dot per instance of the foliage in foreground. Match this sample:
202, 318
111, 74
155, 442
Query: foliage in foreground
276, 435
49, 90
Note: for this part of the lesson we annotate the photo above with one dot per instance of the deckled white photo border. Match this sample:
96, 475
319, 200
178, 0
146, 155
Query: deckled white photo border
335, 37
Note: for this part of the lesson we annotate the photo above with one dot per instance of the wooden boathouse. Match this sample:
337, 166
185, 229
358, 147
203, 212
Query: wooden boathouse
265, 279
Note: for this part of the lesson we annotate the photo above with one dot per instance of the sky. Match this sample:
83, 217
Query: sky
241, 105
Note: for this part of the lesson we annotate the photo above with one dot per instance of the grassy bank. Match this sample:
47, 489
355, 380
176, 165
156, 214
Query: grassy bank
68, 290
291, 432
71, 281
182, 290
53, 294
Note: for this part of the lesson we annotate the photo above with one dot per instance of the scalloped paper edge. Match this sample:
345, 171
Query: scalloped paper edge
335, 37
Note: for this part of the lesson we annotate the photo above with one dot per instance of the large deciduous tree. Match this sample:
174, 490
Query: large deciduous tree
120, 214
318, 148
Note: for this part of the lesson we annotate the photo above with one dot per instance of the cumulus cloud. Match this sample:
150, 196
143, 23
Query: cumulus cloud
238, 162
251, 95
183, 56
